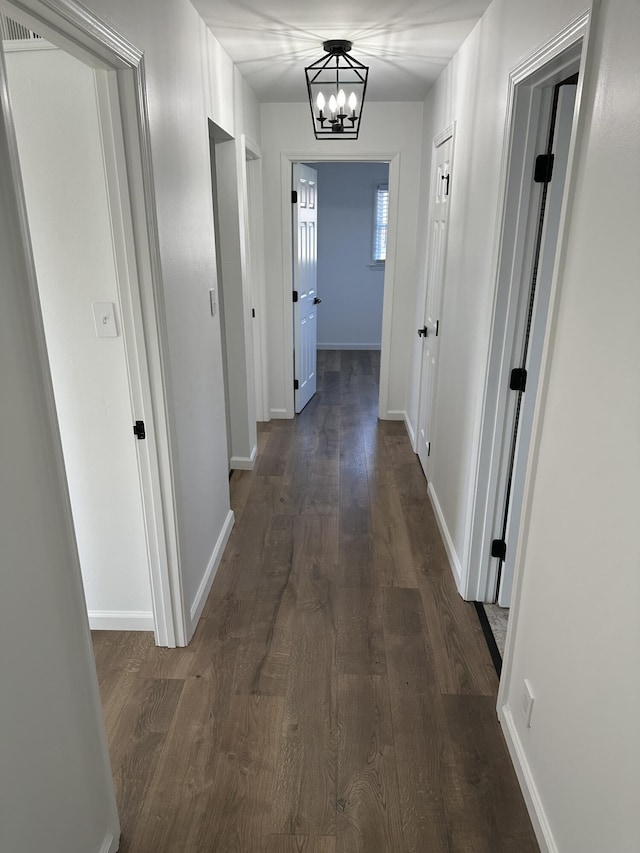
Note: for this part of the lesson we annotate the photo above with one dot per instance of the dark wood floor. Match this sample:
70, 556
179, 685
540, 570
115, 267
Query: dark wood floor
338, 694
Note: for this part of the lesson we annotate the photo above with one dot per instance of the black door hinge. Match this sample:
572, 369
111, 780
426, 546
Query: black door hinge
296, 384
518, 379
139, 431
294, 196
544, 169
428, 448
253, 312
295, 295
499, 549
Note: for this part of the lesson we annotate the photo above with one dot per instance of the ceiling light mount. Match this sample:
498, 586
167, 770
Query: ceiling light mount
336, 84
335, 46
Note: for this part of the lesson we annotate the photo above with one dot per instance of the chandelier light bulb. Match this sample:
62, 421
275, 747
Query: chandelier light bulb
353, 102
342, 99
333, 104
320, 101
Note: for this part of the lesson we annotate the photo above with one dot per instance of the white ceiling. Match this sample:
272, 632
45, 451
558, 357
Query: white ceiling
406, 43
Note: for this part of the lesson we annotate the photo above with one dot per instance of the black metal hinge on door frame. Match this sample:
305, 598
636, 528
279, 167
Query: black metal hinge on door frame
294, 196
296, 384
139, 430
295, 295
518, 379
499, 549
544, 169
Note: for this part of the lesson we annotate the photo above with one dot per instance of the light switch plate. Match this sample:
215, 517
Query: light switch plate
104, 318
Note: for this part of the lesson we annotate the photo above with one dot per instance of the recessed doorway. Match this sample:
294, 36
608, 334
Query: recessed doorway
340, 228
85, 240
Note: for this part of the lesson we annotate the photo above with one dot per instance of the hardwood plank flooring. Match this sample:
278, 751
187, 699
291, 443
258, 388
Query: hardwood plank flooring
337, 696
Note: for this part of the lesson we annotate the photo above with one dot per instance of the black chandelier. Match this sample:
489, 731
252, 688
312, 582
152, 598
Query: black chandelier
336, 84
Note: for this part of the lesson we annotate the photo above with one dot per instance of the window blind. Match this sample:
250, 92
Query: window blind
380, 224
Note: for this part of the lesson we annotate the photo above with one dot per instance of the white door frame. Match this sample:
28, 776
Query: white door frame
287, 159
230, 207
448, 133
525, 83
131, 189
255, 263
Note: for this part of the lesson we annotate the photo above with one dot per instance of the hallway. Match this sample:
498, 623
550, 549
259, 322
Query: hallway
338, 694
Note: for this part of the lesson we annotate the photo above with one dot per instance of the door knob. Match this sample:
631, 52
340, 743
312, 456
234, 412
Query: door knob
317, 301
423, 332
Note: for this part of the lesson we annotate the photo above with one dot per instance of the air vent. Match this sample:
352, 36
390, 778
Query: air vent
13, 31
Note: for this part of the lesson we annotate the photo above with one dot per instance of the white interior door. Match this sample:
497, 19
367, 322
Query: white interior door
305, 275
430, 330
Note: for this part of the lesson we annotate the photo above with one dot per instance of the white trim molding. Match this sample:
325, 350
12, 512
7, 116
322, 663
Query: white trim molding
363, 347
244, 463
212, 567
394, 415
410, 432
121, 620
454, 560
532, 798
279, 414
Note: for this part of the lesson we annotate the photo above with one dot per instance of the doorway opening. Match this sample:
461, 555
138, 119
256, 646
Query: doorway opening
77, 155
229, 295
544, 101
340, 230
255, 275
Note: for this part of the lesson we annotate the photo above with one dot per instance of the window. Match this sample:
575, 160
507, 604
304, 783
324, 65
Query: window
380, 220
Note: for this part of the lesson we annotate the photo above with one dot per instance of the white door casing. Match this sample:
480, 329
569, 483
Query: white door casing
305, 274
441, 185
551, 63
539, 319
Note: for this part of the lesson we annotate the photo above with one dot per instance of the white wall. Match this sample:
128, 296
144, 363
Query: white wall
57, 125
581, 569
351, 288
56, 791
386, 129
577, 634
189, 79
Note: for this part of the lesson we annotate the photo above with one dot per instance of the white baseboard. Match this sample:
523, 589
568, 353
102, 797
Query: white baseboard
281, 414
394, 415
212, 567
121, 620
530, 793
110, 844
349, 346
244, 463
410, 432
454, 562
